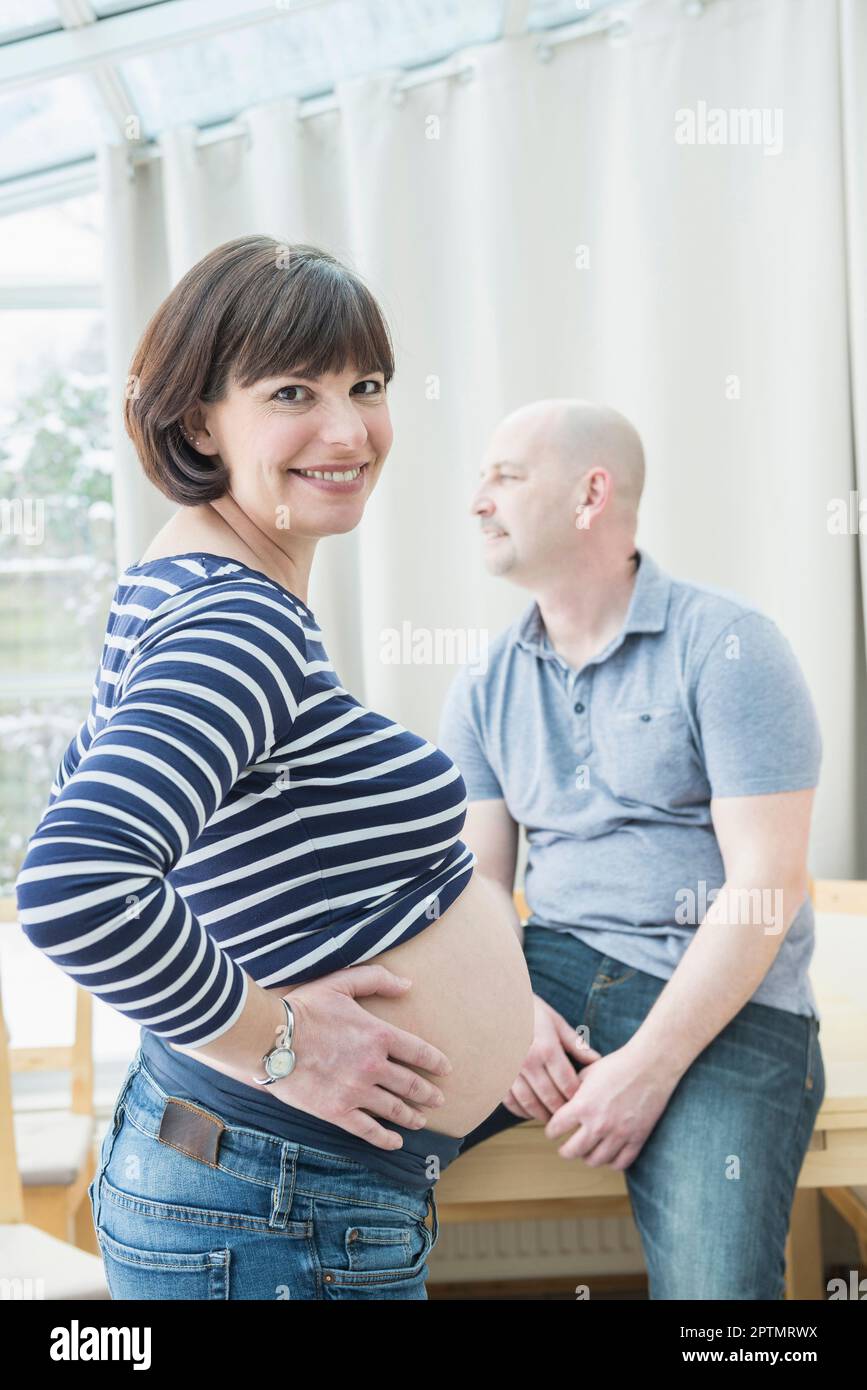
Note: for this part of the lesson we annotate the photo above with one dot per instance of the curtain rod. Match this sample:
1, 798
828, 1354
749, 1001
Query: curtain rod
614, 22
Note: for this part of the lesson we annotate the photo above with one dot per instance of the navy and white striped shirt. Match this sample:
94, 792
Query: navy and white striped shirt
227, 807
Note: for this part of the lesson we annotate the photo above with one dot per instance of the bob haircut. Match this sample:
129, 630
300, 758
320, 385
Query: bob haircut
252, 308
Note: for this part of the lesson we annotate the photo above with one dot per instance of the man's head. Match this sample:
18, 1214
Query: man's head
561, 480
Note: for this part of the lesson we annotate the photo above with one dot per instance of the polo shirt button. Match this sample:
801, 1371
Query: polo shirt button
579, 708
645, 718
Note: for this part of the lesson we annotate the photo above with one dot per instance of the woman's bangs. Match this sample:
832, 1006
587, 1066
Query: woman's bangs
318, 323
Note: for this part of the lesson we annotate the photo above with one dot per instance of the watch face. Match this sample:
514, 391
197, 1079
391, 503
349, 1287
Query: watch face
280, 1063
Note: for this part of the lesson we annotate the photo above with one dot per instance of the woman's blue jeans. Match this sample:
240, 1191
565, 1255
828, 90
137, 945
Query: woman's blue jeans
712, 1188
266, 1219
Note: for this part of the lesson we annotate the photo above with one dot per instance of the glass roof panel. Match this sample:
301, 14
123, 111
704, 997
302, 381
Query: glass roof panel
22, 19
296, 53
49, 124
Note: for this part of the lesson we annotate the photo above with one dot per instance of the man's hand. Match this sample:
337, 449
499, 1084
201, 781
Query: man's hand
616, 1103
547, 1077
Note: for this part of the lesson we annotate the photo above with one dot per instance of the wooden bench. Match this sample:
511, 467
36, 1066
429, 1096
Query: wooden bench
518, 1175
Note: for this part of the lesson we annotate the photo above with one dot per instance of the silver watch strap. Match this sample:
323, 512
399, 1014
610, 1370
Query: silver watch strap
290, 1022
281, 1046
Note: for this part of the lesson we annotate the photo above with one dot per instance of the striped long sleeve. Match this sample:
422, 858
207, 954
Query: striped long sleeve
210, 687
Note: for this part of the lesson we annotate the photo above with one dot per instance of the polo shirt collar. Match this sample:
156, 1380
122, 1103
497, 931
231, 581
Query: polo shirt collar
647, 611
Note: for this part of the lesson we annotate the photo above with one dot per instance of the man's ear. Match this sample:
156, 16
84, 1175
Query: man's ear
599, 485
594, 491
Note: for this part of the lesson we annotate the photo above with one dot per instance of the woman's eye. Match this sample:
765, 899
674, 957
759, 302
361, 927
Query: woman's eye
294, 400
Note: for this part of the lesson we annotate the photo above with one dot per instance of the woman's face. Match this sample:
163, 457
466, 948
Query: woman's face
270, 435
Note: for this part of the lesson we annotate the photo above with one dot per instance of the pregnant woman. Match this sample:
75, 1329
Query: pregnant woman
261, 872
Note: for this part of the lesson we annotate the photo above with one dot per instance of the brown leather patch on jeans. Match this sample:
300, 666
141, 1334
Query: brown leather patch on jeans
191, 1130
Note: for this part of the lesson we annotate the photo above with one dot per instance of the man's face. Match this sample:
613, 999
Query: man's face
526, 506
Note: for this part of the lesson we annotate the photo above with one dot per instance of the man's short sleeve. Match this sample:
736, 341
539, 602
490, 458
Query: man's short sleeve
461, 737
758, 727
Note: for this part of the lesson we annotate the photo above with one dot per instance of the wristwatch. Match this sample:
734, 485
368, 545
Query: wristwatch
280, 1061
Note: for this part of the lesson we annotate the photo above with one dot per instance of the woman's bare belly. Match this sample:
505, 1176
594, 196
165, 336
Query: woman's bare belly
471, 997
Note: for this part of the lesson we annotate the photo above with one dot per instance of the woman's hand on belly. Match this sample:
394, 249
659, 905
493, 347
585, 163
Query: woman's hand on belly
349, 1060
471, 1001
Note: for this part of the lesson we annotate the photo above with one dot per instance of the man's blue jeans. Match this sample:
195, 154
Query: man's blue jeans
711, 1228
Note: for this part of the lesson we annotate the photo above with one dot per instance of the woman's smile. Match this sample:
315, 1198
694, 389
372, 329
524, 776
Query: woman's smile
349, 478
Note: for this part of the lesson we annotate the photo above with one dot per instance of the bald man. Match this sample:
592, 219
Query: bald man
658, 743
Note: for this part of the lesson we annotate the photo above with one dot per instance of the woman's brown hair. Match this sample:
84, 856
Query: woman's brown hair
254, 307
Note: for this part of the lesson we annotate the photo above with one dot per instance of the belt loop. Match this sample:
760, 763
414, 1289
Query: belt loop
132, 1071
284, 1190
435, 1225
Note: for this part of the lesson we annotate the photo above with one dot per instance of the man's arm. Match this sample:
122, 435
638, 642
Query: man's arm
761, 747
763, 841
492, 835
489, 828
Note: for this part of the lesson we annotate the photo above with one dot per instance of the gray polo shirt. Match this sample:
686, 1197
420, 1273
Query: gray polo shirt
611, 769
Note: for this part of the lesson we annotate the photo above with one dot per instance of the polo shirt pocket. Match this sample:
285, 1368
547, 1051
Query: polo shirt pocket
648, 756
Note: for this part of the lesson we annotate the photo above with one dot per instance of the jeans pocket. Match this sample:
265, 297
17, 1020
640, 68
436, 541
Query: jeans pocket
377, 1248
372, 1252
136, 1273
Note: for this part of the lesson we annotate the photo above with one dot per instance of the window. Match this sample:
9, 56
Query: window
57, 565
57, 576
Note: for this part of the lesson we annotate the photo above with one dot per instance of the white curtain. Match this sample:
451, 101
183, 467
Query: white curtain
554, 238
